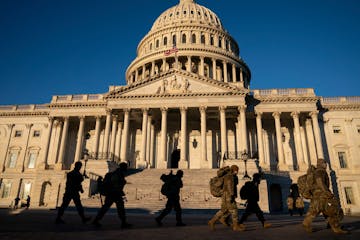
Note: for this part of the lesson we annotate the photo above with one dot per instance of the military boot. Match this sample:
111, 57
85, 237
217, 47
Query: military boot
267, 225
224, 221
238, 227
211, 224
338, 230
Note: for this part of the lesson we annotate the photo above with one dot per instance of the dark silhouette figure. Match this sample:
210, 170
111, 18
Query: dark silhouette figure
173, 196
16, 202
295, 201
28, 202
252, 205
73, 186
115, 195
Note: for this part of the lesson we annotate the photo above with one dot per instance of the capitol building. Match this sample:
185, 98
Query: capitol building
187, 104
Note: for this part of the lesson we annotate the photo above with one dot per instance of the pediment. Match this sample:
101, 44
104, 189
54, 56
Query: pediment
175, 82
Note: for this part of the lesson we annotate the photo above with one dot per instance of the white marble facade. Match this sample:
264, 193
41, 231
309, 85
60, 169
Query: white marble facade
189, 107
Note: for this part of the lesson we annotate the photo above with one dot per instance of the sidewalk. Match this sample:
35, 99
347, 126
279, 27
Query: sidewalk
39, 224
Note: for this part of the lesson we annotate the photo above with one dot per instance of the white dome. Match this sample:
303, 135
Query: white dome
187, 11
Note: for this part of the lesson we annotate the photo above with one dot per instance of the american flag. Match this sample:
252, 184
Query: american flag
174, 49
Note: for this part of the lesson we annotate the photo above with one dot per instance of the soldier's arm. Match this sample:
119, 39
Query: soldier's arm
321, 185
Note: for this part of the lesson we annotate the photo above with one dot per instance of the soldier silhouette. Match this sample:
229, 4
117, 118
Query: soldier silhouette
73, 186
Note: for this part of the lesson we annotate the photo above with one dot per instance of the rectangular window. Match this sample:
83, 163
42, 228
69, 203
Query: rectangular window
36, 133
342, 160
12, 160
6, 190
26, 190
18, 133
32, 160
349, 195
336, 129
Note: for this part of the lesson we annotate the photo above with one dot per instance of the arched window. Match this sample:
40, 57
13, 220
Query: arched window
202, 39
220, 42
211, 40
193, 38
174, 39
150, 46
157, 43
183, 39
165, 41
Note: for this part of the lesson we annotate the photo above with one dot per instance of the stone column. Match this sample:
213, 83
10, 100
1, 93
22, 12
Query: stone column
214, 68
79, 140
124, 139
281, 159
28, 126
142, 163
107, 133
234, 72
203, 135
63, 143
148, 143
260, 144
244, 141
201, 72
3, 162
298, 143
188, 64
163, 140
136, 75
152, 71
311, 142
143, 72
163, 66
319, 147
183, 135
241, 76
118, 141
97, 136
152, 142
113, 137
43, 163
225, 71
223, 131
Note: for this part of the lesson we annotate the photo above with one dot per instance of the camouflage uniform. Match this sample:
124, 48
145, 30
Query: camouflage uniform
228, 203
323, 201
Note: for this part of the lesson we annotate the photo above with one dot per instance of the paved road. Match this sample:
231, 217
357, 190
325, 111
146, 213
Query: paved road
36, 223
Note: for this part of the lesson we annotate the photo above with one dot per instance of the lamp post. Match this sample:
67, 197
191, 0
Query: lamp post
244, 157
86, 158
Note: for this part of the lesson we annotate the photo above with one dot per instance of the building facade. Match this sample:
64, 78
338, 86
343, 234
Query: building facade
187, 104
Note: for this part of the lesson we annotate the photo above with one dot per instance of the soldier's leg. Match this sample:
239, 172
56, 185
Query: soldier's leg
177, 208
64, 205
310, 215
79, 208
215, 218
166, 211
107, 204
334, 223
246, 214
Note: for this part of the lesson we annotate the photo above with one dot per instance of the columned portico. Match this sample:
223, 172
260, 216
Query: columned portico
243, 131
97, 136
107, 132
204, 159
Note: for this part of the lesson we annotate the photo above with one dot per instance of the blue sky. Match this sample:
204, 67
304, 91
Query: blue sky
59, 47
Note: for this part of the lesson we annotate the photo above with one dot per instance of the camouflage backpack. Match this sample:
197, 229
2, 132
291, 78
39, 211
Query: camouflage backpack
217, 182
306, 183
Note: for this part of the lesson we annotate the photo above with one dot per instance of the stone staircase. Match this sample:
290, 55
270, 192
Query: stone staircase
143, 190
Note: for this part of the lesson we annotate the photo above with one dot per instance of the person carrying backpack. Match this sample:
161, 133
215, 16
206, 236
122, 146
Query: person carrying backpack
252, 205
228, 203
115, 194
323, 201
171, 189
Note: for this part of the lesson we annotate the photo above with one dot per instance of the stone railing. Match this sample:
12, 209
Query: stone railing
284, 91
340, 100
77, 98
29, 107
